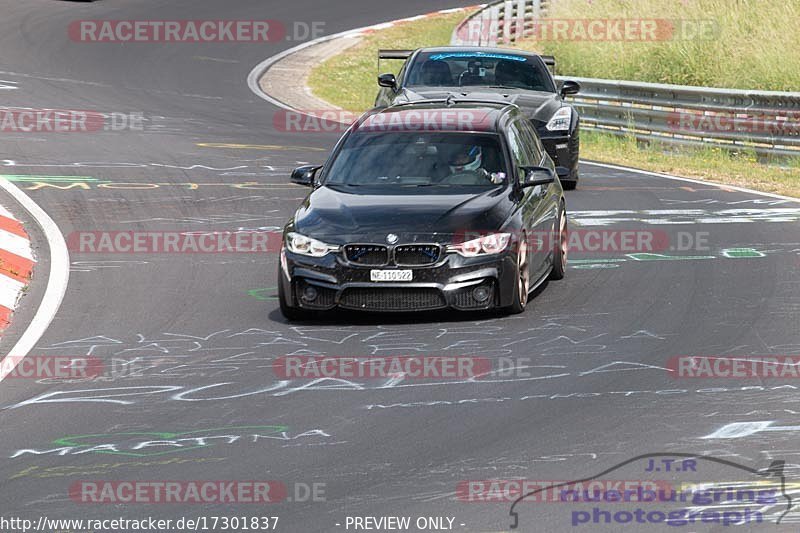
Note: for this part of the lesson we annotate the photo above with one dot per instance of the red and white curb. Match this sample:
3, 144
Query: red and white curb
16, 264
15, 243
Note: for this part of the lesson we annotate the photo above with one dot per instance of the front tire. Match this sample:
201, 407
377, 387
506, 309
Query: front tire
569, 185
288, 311
523, 285
560, 246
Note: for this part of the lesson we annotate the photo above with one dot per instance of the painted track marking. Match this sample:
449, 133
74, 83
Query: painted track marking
58, 276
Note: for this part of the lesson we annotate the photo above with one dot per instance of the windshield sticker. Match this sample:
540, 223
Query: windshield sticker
462, 55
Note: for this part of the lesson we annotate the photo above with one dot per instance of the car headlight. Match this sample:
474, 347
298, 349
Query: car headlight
300, 244
561, 120
486, 245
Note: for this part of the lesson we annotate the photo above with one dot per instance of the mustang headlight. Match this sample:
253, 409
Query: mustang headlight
486, 245
300, 244
560, 120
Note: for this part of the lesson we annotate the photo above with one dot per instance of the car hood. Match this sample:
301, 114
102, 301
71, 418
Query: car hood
537, 105
339, 217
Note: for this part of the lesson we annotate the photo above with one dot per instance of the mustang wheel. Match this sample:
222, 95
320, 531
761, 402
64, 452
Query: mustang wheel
560, 246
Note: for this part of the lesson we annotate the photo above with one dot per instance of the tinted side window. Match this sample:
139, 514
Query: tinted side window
532, 142
402, 73
517, 145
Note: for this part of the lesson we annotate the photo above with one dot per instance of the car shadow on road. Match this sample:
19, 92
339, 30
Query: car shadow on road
343, 317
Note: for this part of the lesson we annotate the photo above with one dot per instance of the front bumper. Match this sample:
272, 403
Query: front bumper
454, 282
563, 148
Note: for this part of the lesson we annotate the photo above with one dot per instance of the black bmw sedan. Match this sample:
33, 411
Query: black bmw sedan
422, 206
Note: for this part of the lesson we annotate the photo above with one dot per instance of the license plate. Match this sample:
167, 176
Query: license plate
391, 275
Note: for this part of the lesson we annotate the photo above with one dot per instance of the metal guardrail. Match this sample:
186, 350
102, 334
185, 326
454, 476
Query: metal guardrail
766, 122
502, 22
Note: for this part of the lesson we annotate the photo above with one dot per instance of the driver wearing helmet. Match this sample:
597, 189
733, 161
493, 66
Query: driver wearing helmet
466, 167
465, 159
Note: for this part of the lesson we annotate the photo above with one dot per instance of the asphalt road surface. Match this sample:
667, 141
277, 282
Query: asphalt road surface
589, 390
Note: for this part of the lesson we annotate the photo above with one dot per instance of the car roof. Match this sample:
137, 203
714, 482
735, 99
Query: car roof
479, 49
451, 115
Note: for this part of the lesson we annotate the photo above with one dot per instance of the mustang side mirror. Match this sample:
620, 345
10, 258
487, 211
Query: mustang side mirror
537, 176
570, 87
387, 80
305, 175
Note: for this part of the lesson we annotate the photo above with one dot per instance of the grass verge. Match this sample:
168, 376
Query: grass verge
739, 44
349, 79
707, 164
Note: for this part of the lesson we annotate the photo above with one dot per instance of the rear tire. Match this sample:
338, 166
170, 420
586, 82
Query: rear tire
560, 246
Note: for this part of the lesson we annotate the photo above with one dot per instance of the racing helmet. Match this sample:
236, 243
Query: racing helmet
466, 158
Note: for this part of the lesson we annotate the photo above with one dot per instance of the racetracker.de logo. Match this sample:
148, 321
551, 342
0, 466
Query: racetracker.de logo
591, 29
50, 367
548, 491
314, 121
624, 240
775, 122
413, 120
734, 367
67, 121
436, 367
171, 242
178, 492
176, 31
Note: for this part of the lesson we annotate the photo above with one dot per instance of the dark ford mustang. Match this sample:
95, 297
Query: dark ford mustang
426, 206
515, 76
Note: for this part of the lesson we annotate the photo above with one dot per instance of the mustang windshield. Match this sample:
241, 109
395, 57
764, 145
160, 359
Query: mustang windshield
419, 159
487, 69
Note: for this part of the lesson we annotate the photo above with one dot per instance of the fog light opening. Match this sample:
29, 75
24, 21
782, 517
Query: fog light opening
309, 293
481, 294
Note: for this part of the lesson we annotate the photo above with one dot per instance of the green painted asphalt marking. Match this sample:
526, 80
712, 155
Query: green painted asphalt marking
736, 253
259, 294
662, 257
58, 179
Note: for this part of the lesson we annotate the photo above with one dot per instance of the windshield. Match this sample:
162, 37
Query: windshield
433, 159
463, 69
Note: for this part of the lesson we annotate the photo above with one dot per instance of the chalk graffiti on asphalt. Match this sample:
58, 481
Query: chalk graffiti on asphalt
157, 443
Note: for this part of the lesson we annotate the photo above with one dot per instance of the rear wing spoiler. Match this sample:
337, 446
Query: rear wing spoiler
550, 62
394, 54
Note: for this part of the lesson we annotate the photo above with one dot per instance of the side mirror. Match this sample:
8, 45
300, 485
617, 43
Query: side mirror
388, 80
537, 176
570, 87
563, 173
305, 175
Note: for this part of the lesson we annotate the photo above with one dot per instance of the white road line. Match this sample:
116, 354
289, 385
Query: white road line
57, 279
